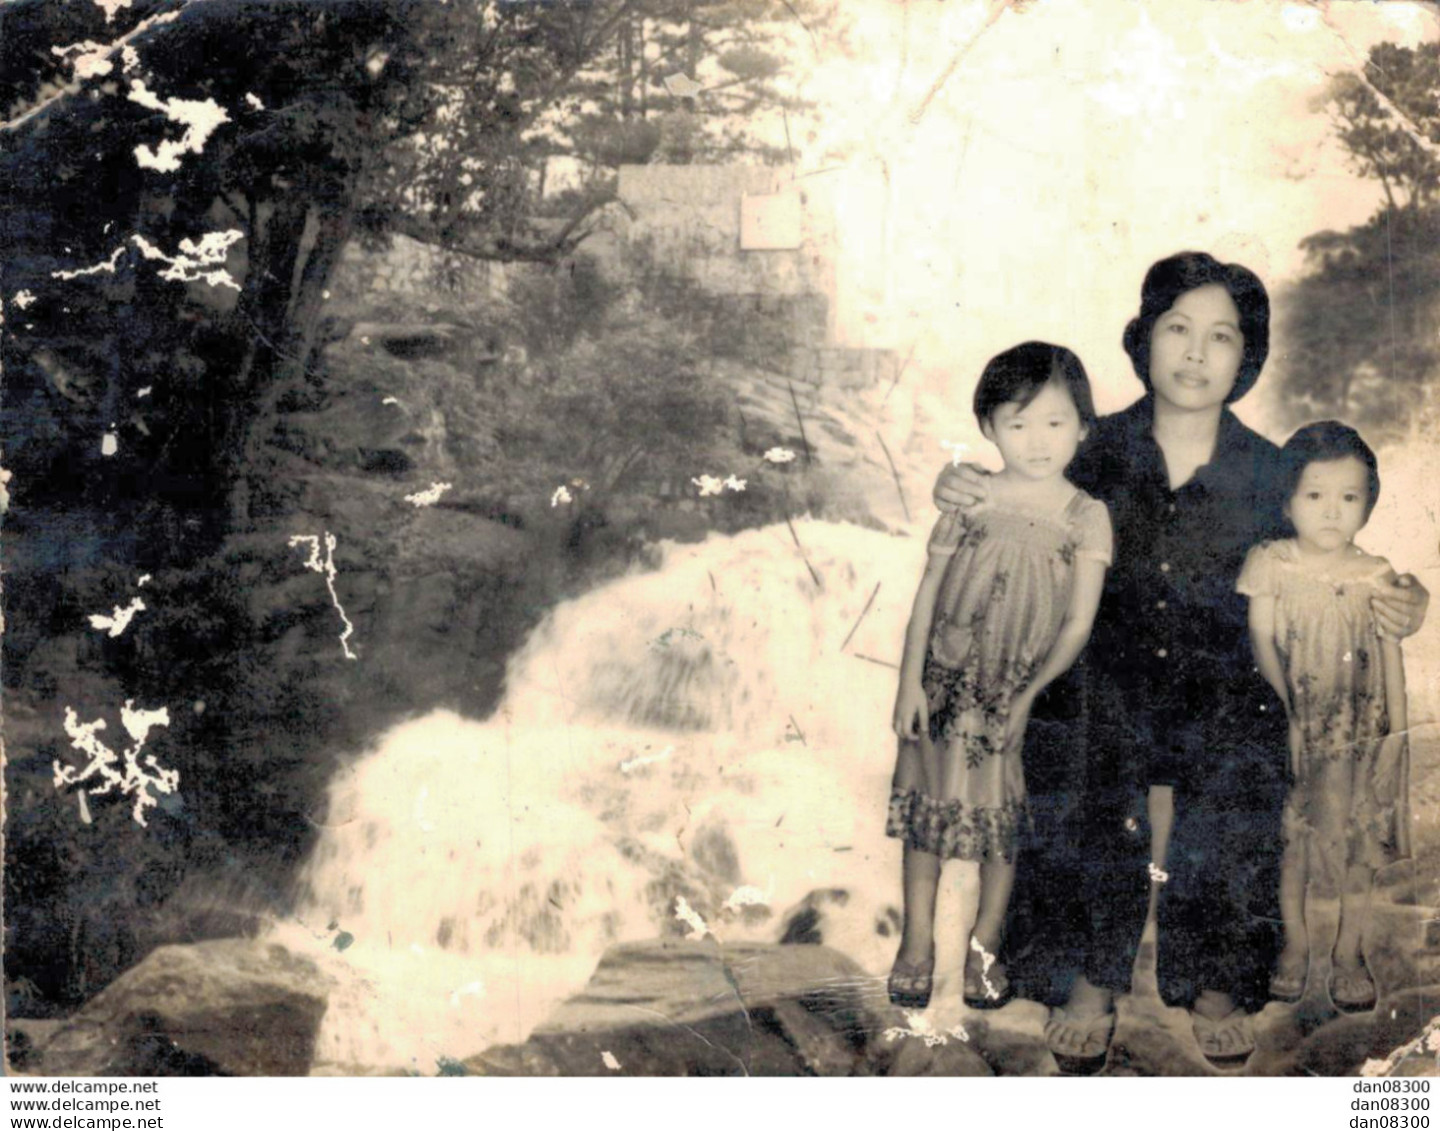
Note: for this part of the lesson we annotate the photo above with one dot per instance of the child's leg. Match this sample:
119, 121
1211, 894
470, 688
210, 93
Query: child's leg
1160, 809
997, 879
1294, 874
1354, 911
921, 881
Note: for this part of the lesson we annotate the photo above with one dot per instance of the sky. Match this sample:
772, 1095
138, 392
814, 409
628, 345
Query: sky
1009, 172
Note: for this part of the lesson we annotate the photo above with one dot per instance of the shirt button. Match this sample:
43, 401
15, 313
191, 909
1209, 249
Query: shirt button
1164, 567
1161, 653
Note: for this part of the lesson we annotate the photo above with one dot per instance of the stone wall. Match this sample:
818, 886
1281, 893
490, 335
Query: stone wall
418, 274
778, 304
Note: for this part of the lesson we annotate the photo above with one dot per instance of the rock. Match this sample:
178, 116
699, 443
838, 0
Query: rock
684, 1008
1341, 1046
233, 1007
953, 1058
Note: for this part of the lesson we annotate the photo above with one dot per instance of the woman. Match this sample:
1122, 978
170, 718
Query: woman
1158, 775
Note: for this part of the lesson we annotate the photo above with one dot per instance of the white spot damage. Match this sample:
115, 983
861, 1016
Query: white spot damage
197, 262
714, 485
145, 392
326, 567
987, 960
23, 299
110, 7
780, 455
143, 779
119, 619
200, 119
691, 918
917, 1025
130, 59
106, 266
143, 579
607, 1058
956, 450
1157, 873
90, 59
428, 497
747, 895
252, 101
109, 444
645, 760
393, 400
682, 85
561, 495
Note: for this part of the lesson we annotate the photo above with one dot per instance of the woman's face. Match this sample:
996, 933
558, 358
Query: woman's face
1196, 348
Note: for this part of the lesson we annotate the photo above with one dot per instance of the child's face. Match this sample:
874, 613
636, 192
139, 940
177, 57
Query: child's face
1196, 348
1039, 440
1328, 507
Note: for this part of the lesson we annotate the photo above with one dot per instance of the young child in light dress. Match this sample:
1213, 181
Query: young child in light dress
1316, 641
1005, 606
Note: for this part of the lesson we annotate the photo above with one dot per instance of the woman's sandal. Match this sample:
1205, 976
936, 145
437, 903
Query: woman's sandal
1288, 982
986, 989
1228, 1042
910, 985
1352, 989
1087, 1055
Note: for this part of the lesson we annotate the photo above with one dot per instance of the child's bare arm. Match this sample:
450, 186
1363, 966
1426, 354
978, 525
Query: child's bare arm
1393, 772
1262, 641
1395, 705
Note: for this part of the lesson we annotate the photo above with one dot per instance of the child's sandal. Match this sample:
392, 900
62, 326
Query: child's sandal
910, 985
1288, 982
1352, 989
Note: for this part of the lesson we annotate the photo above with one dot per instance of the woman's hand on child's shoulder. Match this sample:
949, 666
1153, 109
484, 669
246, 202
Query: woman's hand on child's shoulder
961, 486
1400, 607
912, 713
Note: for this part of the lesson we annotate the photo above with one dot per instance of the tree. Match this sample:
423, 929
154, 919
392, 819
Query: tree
1362, 323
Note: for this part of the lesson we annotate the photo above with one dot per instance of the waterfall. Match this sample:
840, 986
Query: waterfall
690, 733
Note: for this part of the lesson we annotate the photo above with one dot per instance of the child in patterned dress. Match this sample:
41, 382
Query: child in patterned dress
1005, 606
1316, 641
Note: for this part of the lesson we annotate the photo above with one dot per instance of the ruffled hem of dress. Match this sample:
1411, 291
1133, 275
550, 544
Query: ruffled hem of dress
952, 831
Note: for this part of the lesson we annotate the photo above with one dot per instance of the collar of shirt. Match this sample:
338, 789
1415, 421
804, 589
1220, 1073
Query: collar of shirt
1230, 469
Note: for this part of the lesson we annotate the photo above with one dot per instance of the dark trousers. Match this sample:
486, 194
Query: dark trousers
1082, 883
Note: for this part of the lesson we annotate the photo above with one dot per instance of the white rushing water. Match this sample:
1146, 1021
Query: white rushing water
691, 733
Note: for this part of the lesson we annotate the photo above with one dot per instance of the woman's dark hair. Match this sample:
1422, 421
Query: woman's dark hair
1170, 278
1022, 371
1322, 442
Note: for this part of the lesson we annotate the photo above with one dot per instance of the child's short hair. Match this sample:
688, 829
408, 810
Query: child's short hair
1322, 442
1022, 371
1187, 271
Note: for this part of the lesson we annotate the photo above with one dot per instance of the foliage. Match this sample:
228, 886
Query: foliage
1363, 323
521, 91
1388, 120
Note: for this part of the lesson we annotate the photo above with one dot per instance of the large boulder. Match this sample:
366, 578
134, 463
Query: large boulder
232, 1007
675, 1007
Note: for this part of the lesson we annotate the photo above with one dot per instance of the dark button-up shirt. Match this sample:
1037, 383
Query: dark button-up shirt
1170, 636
